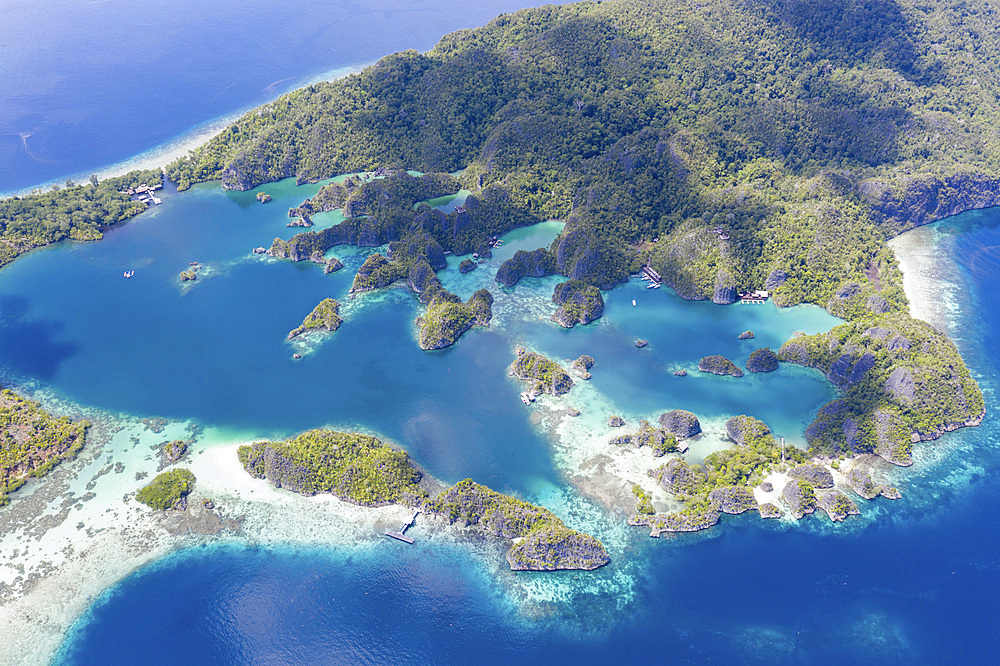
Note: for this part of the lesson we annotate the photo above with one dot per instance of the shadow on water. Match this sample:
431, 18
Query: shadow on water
38, 354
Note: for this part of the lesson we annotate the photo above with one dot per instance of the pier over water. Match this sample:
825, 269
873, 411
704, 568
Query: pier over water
401, 533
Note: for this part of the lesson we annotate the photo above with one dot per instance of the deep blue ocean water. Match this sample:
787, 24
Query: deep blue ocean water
87, 84
914, 582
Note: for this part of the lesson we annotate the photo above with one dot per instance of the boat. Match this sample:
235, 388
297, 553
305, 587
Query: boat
633, 302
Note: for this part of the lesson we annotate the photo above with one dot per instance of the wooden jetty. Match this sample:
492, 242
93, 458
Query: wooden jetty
401, 533
651, 275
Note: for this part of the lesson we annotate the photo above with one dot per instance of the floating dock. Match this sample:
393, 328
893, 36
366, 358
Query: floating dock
401, 533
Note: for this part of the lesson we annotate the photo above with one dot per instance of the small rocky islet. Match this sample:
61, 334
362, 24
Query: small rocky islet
579, 303
324, 317
542, 374
717, 364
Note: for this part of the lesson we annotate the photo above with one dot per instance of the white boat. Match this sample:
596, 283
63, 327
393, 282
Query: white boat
633, 302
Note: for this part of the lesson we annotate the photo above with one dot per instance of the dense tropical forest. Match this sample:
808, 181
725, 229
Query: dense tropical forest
76, 211
768, 143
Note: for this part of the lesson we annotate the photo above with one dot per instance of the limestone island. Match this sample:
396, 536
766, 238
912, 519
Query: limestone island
582, 366
675, 426
362, 470
541, 541
543, 375
719, 365
324, 317
536, 263
739, 479
579, 303
171, 452
762, 360
447, 318
902, 382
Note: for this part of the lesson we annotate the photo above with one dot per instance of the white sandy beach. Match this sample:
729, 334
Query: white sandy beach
930, 280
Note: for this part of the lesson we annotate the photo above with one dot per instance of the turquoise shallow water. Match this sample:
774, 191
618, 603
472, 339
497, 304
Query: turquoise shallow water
215, 351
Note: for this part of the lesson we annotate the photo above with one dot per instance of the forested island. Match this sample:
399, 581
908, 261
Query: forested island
363, 470
33, 441
324, 317
77, 211
730, 147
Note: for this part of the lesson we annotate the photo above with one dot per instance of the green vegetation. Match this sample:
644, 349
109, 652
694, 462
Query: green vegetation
724, 481
175, 450
546, 543
355, 468
582, 366
77, 212
544, 375
762, 360
746, 429
643, 501
579, 303
658, 439
719, 365
901, 380
167, 490
731, 145
800, 497
377, 272
447, 318
783, 149
758, 144
537, 263
324, 317
749, 463
32, 441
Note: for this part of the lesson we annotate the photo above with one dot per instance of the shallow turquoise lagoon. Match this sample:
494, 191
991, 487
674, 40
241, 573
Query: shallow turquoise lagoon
214, 351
